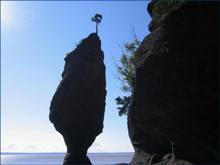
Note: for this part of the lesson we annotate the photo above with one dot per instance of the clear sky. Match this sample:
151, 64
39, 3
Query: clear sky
35, 36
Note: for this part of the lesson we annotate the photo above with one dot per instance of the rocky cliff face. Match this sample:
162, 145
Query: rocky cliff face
78, 105
175, 99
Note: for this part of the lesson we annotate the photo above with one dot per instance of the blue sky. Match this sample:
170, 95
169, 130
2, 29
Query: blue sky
35, 36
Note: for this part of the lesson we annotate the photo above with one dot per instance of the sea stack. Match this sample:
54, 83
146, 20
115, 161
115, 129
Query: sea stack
78, 105
175, 98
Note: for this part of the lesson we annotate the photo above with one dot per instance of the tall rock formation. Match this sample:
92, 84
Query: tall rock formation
175, 99
78, 105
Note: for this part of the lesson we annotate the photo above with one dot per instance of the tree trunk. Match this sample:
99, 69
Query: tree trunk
96, 29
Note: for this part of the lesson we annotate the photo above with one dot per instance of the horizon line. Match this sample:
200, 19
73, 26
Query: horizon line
59, 152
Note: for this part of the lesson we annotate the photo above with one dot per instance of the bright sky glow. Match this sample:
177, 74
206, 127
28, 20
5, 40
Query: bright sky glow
35, 35
5, 13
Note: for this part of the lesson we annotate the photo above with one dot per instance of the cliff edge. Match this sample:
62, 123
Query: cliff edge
175, 99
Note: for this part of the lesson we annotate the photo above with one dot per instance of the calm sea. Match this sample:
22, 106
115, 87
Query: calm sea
57, 158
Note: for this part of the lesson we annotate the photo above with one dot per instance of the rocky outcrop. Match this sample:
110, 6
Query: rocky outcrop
175, 99
78, 105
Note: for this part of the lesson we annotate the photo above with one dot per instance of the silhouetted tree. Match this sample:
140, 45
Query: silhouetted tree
126, 72
97, 19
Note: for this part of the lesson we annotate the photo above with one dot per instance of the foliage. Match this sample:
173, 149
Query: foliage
97, 19
126, 73
124, 104
165, 6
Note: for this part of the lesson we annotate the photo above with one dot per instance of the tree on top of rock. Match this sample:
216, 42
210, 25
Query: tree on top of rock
97, 19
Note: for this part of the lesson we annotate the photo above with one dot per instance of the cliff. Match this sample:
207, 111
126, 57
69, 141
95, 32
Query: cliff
175, 98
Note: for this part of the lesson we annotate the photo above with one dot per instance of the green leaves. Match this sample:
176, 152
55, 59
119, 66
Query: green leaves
124, 102
126, 72
126, 69
97, 18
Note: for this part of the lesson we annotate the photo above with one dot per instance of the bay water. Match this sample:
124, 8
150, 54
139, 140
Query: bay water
57, 158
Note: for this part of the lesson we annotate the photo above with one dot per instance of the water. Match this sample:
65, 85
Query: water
57, 158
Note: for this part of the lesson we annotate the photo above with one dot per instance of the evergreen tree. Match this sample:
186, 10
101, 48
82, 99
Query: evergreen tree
126, 73
97, 19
